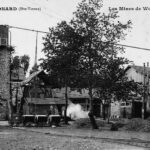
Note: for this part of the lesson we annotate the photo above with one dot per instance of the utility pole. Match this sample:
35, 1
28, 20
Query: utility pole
147, 87
143, 103
9, 102
35, 63
147, 77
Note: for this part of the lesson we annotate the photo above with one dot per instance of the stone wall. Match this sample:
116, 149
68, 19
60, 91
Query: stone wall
4, 80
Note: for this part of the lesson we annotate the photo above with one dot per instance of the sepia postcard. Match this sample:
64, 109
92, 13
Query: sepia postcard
74, 74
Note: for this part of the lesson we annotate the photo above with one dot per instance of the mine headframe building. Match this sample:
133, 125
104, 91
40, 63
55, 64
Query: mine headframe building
37, 95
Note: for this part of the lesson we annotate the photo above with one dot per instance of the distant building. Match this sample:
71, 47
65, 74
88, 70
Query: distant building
138, 74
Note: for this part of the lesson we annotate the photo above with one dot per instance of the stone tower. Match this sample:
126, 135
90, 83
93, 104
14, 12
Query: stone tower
5, 54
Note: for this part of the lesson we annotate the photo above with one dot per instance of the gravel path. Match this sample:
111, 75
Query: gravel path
14, 139
141, 139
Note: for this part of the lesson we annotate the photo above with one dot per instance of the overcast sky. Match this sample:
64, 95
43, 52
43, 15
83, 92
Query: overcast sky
53, 11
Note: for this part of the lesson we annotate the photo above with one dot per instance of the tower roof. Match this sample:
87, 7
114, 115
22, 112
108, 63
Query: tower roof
5, 47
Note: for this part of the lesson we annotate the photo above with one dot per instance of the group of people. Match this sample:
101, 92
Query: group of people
53, 117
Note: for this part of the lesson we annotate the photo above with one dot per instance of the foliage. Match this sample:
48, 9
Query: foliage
100, 33
84, 53
15, 62
114, 81
61, 49
24, 60
20, 61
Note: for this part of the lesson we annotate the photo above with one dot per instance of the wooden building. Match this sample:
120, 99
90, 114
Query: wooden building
140, 75
38, 96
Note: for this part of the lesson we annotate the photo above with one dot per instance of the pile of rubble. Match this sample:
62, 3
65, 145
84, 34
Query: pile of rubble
85, 123
137, 124
3, 109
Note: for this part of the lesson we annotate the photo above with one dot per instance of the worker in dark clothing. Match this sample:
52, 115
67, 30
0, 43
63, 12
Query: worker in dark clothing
50, 112
124, 112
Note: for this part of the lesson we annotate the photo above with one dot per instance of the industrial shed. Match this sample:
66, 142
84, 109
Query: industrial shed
38, 96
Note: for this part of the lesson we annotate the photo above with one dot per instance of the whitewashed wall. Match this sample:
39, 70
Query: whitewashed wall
133, 75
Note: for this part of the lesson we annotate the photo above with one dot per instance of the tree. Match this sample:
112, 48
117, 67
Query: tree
24, 61
61, 48
20, 61
84, 52
16, 63
100, 33
115, 84
15, 66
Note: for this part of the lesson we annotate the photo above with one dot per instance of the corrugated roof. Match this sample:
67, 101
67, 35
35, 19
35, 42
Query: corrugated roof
45, 101
140, 69
6, 47
27, 80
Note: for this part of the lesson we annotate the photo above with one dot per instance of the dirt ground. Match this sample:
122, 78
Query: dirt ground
59, 139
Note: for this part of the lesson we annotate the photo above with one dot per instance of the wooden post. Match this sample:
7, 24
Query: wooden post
143, 102
147, 88
9, 103
35, 63
66, 104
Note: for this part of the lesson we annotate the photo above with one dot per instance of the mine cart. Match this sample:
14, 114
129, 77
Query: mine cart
16, 119
54, 120
28, 120
41, 120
